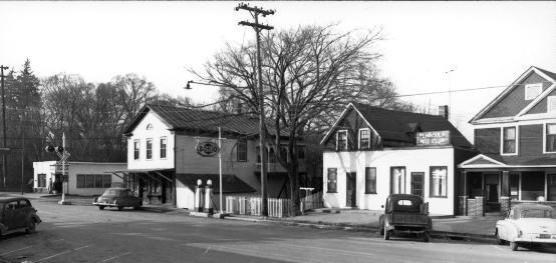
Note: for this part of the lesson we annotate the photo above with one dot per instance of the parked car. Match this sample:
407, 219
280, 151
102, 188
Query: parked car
17, 214
405, 213
527, 224
118, 197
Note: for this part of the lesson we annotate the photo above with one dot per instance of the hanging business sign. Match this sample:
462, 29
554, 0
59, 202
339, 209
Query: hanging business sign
207, 148
433, 138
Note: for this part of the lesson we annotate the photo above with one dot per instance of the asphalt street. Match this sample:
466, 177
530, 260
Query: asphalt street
86, 234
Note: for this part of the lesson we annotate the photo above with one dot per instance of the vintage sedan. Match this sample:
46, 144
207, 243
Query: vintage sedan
17, 214
527, 224
118, 197
405, 214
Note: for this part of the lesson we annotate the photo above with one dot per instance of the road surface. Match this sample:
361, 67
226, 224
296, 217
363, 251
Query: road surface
86, 234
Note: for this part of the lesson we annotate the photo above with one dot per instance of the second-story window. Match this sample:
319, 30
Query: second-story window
509, 139
550, 137
163, 146
149, 153
242, 150
551, 103
136, 148
364, 138
341, 140
532, 91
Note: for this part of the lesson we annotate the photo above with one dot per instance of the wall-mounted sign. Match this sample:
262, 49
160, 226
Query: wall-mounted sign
207, 148
433, 138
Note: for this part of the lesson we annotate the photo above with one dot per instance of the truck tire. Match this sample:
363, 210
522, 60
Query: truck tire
426, 237
101, 207
387, 234
513, 246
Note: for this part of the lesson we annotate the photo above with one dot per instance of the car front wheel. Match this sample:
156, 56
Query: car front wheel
513, 246
120, 208
498, 239
101, 207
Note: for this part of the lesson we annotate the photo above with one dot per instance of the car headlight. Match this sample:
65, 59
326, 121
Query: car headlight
115, 201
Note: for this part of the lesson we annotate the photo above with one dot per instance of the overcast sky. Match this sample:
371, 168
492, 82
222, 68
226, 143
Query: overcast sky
484, 43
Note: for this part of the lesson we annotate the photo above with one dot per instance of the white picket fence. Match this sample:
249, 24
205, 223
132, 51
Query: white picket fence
241, 205
277, 207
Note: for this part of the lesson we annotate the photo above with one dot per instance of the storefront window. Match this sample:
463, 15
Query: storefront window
551, 137
509, 142
532, 185
397, 180
332, 178
438, 181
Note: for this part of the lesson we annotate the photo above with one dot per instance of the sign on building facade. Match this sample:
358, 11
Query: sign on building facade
433, 138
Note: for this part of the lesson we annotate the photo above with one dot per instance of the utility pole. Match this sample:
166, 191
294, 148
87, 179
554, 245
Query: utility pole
4, 168
255, 12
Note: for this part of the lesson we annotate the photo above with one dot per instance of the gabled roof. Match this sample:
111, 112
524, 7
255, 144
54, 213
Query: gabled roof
181, 118
549, 76
498, 161
393, 125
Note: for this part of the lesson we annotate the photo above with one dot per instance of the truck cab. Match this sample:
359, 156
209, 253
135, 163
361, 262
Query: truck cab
407, 214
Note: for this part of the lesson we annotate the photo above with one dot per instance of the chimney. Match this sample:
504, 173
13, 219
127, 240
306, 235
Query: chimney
443, 111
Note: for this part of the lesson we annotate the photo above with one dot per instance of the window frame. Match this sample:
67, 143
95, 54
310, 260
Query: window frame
98, 181
136, 149
431, 181
239, 154
338, 136
403, 181
335, 180
161, 149
41, 178
502, 140
359, 146
529, 86
550, 100
545, 138
148, 152
367, 179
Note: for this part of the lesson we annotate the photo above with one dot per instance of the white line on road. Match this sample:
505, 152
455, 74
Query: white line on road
114, 257
62, 253
5, 253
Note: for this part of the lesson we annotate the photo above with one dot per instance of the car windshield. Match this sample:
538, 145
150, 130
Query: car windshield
536, 213
113, 192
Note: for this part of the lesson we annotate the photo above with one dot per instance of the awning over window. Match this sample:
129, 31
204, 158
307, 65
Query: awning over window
230, 182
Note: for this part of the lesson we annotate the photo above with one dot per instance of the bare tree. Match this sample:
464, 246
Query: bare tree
309, 74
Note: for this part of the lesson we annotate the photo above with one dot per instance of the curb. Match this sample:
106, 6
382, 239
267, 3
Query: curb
360, 228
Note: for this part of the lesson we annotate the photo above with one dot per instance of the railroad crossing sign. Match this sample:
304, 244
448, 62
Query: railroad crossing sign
63, 156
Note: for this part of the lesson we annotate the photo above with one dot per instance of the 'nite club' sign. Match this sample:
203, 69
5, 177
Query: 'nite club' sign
433, 138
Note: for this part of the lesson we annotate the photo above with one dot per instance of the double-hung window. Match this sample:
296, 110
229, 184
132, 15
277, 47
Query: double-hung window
509, 140
532, 91
331, 180
438, 181
370, 180
149, 146
163, 146
397, 180
341, 140
550, 138
364, 138
242, 150
136, 147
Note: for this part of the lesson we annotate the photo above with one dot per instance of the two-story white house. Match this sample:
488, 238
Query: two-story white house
163, 163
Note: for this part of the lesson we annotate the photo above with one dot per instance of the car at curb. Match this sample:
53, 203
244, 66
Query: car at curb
17, 214
527, 224
405, 214
118, 197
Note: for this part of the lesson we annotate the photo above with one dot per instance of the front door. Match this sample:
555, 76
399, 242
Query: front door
491, 187
350, 190
417, 183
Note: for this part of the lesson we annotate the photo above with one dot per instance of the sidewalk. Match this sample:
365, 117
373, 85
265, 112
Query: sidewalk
461, 227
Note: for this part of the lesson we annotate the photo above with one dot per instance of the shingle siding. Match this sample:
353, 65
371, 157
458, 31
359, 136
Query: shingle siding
515, 101
488, 140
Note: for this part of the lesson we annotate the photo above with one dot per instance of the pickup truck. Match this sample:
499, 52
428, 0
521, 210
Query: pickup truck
405, 213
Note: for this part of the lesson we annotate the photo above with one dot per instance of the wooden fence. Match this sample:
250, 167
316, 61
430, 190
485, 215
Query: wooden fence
277, 207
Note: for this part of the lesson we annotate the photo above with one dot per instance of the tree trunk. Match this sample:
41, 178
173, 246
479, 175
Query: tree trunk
293, 175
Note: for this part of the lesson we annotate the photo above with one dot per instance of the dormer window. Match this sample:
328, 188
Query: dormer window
341, 140
532, 91
149, 126
364, 138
